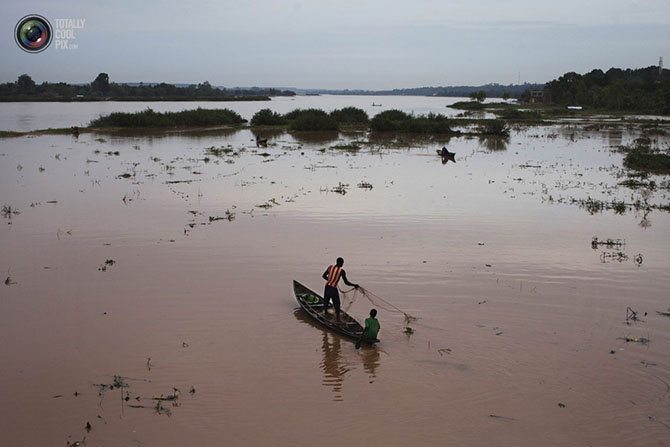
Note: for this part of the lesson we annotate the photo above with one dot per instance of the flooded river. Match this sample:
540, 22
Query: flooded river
167, 261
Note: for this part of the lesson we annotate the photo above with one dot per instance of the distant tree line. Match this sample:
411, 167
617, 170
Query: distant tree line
101, 88
643, 90
490, 90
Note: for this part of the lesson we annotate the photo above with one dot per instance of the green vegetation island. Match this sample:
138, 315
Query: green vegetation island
101, 89
310, 120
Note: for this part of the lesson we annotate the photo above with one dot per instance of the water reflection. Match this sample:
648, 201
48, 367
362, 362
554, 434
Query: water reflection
332, 365
371, 357
494, 143
269, 134
315, 137
161, 134
615, 136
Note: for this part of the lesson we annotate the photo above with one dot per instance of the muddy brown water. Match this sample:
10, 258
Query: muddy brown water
518, 314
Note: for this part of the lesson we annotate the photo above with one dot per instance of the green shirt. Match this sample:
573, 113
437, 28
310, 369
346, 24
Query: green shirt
372, 327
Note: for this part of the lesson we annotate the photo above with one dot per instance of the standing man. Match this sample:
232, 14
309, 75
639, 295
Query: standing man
332, 276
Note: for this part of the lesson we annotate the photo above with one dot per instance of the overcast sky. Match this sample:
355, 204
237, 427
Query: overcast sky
374, 44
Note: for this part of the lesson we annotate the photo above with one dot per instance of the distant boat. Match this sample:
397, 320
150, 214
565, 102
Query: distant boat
376, 105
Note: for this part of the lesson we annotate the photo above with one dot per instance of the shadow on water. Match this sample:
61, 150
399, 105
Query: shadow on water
269, 133
159, 133
333, 364
406, 140
315, 137
494, 143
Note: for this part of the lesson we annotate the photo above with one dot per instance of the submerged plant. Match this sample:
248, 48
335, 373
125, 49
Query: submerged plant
8, 211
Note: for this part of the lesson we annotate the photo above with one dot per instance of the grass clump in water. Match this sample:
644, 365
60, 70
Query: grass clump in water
516, 114
350, 115
494, 127
185, 118
311, 119
641, 156
266, 117
398, 121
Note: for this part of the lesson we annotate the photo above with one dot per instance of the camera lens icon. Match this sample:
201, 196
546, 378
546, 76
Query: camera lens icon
33, 33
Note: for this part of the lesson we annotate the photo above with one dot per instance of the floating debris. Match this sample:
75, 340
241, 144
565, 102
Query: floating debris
632, 315
76, 443
341, 188
170, 182
230, 216
640, 340
108, 262
609, 243
218, 152
618, 256
504, 418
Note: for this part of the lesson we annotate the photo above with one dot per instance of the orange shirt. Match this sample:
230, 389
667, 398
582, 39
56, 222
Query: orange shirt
334, 273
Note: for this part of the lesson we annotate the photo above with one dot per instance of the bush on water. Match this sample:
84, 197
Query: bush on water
310, 119
640, 160
399, 121
350, 115
185, 118
267, 117
494, 127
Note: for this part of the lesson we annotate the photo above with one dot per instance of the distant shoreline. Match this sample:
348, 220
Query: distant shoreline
135, 99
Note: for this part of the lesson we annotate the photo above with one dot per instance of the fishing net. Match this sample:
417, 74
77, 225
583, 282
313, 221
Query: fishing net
350, 296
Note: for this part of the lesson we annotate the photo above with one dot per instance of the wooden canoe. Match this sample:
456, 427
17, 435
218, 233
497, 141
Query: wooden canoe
312, 303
